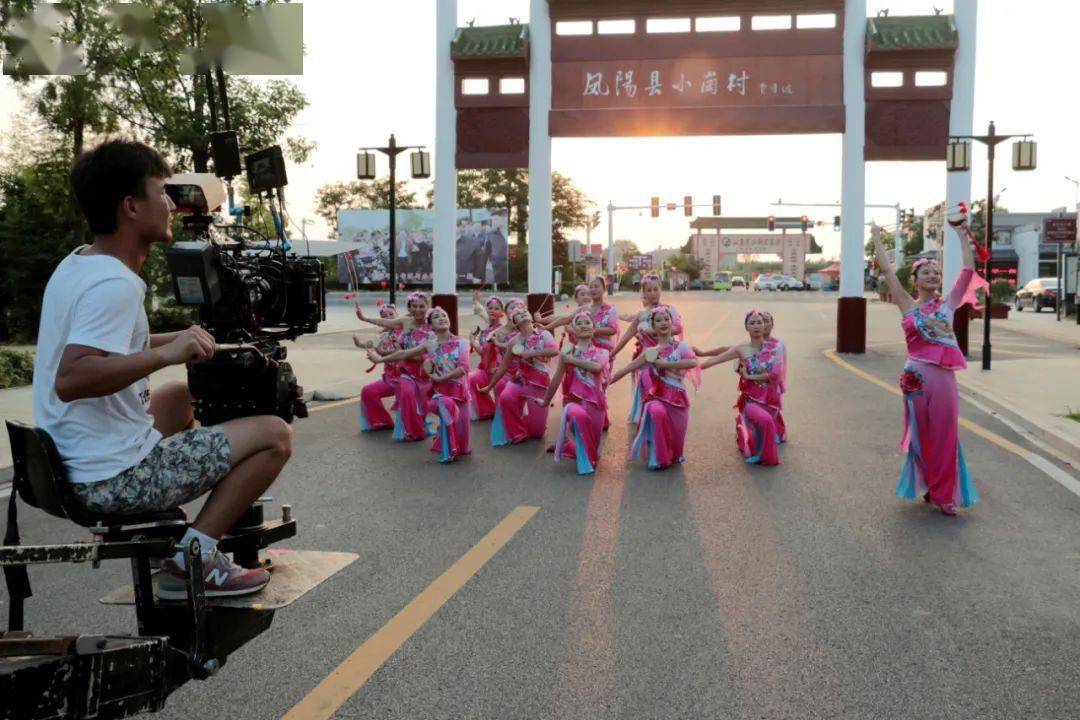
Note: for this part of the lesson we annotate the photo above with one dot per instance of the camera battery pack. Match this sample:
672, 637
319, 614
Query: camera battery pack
195, 278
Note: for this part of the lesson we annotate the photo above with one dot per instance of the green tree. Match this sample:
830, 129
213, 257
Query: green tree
686, 264
37, 227
146, 86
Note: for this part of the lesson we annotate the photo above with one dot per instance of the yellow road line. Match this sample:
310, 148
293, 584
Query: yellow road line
336, 403
977, 429
348, 677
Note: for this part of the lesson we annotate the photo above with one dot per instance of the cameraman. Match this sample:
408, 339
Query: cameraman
128, 450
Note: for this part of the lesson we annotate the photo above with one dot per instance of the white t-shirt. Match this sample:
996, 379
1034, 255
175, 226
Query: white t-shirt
94, 300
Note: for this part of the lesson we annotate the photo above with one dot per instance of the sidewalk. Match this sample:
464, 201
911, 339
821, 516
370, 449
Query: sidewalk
1033, 385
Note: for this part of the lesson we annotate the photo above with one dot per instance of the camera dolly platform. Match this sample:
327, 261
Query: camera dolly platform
121, 675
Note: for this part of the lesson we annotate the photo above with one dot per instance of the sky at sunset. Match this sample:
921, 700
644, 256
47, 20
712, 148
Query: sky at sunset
370, 71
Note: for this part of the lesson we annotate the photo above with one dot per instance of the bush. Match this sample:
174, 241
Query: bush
16, 368
1000, 291
168, 317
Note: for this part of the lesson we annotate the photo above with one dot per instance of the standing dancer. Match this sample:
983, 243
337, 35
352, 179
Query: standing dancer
584, 402
642, 330
661, 371
527, 365
935, 467
484, 342
756, 431
412, 387
373, 415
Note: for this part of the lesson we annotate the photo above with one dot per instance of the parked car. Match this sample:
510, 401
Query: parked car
786, 282
813, 281
765, 281
738, 282
696, 285
1037, 294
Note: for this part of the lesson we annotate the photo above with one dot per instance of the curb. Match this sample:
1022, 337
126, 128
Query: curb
1067, 449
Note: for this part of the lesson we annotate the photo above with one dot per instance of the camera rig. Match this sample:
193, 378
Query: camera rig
251, 295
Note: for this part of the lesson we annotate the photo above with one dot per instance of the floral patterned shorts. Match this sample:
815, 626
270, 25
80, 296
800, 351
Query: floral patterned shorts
179, 469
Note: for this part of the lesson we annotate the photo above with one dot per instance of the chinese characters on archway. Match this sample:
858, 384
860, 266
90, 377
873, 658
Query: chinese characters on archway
623, 83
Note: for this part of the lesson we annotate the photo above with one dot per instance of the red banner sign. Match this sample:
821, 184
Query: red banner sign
1059, 230
699, 82
698, 96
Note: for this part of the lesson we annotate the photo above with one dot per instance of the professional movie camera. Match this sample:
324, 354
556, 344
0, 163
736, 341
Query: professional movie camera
251, 294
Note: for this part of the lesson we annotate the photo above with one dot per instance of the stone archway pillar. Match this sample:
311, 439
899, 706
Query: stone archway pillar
540, 297
851, 306
444, 268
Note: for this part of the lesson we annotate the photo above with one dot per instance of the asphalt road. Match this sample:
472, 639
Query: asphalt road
715, 589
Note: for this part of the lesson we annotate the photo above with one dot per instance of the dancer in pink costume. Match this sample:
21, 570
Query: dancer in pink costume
662, 371
489, 343
934, 467
445, 359
641, 329
606, 321
373, 414
526, 364
584, 402
412, 389
756, 431
779, 351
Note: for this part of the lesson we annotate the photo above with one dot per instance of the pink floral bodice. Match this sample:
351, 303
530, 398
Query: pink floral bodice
533, 371
454, 353
584, 386
668, 386
928, 328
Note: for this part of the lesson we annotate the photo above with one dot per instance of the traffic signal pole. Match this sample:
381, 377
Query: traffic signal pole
898, 250
612, 207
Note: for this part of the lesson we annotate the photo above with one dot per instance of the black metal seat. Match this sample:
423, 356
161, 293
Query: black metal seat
42, 482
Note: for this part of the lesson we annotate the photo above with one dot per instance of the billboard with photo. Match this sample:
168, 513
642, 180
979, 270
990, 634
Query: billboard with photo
482, 248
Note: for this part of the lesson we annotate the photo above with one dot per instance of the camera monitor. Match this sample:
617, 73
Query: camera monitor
266, 170
195, 193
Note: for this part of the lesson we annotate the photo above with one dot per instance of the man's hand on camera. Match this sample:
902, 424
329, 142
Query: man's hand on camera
193, 345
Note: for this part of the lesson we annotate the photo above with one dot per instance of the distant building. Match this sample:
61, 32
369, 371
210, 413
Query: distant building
1019, 254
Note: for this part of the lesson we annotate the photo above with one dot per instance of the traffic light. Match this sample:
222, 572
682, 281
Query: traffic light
772, 223
804, 222
655, 210
688, 205
716, 205
836, 223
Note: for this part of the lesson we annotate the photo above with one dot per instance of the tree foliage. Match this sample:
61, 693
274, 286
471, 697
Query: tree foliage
687, 264
138, 88
359, 195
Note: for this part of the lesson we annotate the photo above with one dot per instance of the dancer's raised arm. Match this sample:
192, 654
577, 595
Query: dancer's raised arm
555, 383
630, 333
412, 352
385, 323
901, 297
627, 369
726, 356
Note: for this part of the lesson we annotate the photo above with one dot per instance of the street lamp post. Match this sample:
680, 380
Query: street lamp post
958, 159
365, 170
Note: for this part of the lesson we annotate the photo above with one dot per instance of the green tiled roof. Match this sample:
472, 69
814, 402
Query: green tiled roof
913, 32
491, 41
